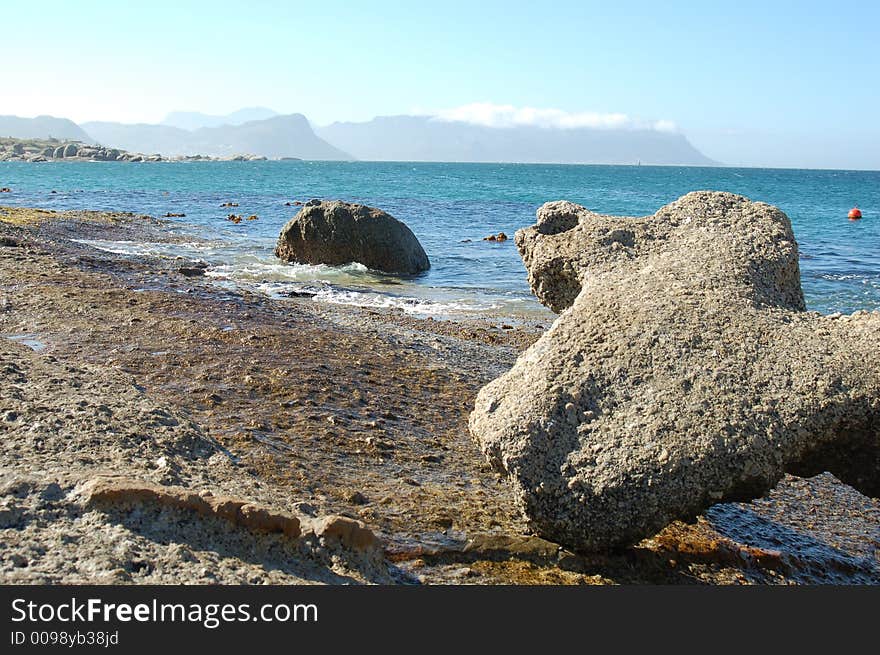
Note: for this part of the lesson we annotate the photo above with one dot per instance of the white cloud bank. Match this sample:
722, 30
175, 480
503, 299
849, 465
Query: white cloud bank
492, 115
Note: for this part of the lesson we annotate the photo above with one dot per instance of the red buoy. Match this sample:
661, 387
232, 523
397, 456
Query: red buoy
854, 214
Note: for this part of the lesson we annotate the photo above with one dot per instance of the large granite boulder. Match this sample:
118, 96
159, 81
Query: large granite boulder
334, 233
683, 371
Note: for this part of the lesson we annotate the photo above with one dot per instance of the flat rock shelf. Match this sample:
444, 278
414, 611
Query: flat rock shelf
350, 422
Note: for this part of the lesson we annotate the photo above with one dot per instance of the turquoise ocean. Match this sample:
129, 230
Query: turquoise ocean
450, 207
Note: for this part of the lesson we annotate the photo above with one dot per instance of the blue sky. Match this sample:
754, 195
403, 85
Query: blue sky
751, 83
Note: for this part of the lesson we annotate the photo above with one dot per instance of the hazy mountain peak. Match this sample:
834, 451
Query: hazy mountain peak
278, 136
193, 120
42, 127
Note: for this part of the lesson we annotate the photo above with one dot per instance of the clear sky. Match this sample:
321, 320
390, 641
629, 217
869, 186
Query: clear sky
751, 83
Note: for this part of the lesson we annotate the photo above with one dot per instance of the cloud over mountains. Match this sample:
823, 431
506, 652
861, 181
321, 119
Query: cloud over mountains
489, 114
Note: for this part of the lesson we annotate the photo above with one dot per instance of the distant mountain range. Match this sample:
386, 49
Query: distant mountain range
259, 131
422, 138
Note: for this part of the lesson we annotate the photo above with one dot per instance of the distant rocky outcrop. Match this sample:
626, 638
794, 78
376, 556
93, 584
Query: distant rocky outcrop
43, 150
40, 150
335, 233
683, 371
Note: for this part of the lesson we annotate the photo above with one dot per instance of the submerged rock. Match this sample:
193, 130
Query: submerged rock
683, 371
335, 233
192, 271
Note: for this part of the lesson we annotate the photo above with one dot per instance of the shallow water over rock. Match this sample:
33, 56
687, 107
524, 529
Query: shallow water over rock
32, 341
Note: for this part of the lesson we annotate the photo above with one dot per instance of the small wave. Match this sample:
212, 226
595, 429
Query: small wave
409, 305
840, 277
367, 297
256, 269
148, 248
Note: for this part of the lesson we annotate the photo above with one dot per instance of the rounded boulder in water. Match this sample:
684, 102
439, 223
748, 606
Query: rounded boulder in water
337, 233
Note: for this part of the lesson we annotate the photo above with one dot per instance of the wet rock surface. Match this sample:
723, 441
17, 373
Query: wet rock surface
334, 232
682, 372
123, 366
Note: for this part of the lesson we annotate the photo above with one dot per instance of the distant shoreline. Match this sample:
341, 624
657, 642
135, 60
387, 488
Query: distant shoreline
31, 156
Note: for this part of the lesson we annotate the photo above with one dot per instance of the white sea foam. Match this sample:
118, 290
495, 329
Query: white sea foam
409, 305
257, 269
351, 284
150, 248
872, 281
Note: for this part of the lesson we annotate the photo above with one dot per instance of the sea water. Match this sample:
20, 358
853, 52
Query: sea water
450, 207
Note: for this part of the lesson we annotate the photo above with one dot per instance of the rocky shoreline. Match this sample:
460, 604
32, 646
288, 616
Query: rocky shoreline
52, 150
157, 429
